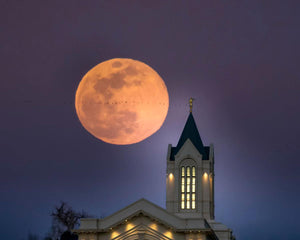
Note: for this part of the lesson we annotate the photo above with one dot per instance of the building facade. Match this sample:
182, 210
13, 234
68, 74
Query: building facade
189, 213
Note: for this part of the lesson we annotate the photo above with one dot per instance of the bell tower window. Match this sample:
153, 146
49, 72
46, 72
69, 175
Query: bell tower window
182, 188
188, 188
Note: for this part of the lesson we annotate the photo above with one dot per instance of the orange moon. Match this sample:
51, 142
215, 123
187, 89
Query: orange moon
122, 101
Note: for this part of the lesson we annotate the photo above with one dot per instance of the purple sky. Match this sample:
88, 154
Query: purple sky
238, 59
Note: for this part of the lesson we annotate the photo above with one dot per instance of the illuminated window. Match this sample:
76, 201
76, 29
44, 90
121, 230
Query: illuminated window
193, 187
182, 201
193, 200
188, 187
182, 188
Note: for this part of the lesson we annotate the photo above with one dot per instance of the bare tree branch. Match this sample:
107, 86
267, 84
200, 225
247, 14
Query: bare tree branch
65, 217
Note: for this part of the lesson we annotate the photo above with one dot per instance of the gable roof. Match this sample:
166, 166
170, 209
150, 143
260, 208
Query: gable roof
145, 208
191, 132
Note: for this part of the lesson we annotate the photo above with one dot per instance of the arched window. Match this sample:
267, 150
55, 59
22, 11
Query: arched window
188, 188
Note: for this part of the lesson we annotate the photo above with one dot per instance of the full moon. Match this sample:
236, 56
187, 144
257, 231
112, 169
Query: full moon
122, 101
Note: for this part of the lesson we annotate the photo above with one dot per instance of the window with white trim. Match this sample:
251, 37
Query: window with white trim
188, 188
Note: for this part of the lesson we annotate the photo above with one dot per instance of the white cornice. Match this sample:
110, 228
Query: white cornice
145, 208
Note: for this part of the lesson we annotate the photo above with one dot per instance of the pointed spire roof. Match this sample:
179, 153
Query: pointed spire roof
190, 131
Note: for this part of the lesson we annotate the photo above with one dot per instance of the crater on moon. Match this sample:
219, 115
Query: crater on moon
122, 101
116, 64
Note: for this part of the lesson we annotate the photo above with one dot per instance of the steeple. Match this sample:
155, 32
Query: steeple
190, 131
190, 174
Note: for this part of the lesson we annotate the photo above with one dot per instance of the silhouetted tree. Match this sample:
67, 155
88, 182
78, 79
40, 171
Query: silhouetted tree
64, 219
68, 236
65, 215
56, 230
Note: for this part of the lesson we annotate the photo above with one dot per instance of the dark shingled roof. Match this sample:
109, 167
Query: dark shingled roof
190, 131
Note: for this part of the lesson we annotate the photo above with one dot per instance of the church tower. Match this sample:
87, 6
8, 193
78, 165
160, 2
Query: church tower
190, 175
190, 200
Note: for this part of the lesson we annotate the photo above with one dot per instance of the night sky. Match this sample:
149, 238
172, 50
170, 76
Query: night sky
238, 59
